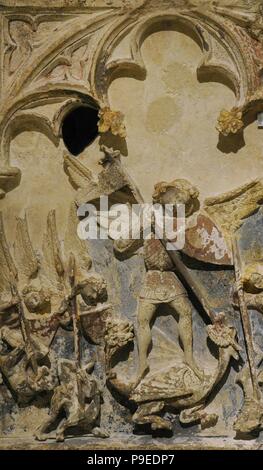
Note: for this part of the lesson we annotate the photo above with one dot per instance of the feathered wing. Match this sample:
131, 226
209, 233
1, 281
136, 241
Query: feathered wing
26, 259
52, 268
73, 244
112, 181
229, 210
8, 271
81, 177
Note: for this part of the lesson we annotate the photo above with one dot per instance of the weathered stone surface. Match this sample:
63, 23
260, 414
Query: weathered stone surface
139, 347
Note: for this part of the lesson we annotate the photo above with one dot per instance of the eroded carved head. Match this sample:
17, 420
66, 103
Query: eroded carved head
94, 289
178, 191
35, 298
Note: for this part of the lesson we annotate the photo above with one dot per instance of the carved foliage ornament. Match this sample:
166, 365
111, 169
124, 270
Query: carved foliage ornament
112, 121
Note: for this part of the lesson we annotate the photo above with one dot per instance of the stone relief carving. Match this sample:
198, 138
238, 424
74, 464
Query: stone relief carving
154, 390
52, 294
176, 386
38, 296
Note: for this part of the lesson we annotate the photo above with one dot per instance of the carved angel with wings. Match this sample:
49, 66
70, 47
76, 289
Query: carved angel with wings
25, 299
36, 298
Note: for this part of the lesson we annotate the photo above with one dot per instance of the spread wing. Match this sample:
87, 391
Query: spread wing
52, 268
73, 244
26, 259
82, 179
112, 181
230, 209
8, 272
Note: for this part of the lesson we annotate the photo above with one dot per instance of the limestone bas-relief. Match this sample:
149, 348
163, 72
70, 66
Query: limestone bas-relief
126, 342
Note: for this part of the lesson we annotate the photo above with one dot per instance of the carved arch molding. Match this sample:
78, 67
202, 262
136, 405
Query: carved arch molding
68, 54
77, 63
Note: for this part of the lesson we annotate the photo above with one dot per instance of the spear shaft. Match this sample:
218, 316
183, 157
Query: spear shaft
189, 280
25, 329
245, 321
74, 310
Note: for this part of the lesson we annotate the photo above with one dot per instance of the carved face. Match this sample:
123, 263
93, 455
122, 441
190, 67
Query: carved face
35, 299
95, 290
179, 191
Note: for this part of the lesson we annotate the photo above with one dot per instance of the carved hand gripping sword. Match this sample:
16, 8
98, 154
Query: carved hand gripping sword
181, 269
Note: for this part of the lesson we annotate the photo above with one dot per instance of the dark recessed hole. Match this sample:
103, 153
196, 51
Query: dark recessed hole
80, 128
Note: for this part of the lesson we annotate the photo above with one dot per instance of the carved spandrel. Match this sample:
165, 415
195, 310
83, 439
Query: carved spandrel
24, 35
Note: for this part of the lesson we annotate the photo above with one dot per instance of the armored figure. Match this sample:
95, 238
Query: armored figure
161, 284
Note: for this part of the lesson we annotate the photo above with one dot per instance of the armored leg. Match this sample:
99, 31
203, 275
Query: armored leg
182, 306
145, 314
